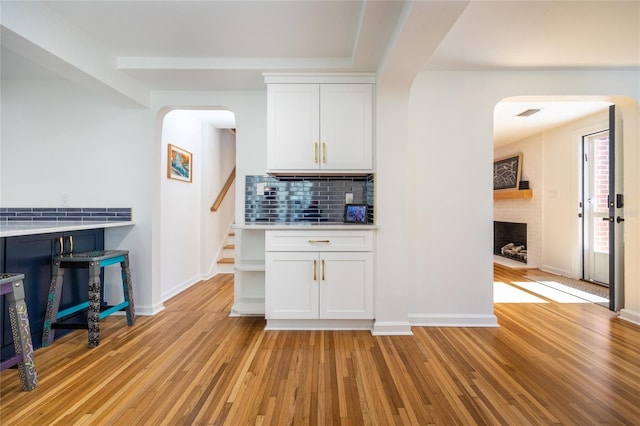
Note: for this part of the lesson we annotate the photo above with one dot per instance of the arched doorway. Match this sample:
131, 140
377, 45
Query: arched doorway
549, 135
191, 234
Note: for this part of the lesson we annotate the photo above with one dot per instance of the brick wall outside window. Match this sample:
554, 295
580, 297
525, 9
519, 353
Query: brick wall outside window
601, 190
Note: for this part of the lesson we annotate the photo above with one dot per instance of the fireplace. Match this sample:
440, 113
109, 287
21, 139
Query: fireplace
510, 240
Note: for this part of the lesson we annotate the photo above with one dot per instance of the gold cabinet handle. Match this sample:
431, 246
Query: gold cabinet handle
61, 246
315, 152
322, 269
324, 152
70, 243
315, 264
319, 241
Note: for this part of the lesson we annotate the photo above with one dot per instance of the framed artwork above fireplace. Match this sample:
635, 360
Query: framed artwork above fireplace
506, 172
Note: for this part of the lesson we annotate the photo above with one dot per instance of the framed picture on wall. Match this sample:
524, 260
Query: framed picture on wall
506, 172
179, 164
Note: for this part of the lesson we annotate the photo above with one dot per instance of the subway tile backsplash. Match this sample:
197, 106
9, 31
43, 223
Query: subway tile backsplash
305, 199
64, 214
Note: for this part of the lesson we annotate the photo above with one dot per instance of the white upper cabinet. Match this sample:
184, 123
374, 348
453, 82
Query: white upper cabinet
346, 126
293, 126
320, 127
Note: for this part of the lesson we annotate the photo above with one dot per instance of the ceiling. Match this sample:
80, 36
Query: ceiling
227, 45
510, 127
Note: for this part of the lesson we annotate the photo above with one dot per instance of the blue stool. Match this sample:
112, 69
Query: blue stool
94, 261
11, 285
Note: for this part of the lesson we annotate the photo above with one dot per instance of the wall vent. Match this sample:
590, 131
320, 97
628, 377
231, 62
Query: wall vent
528, 112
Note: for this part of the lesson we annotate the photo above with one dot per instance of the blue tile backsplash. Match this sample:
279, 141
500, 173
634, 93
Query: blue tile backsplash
305, 199
64, 214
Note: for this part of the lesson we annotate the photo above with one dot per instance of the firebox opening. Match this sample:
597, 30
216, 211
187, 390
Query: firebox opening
510, 240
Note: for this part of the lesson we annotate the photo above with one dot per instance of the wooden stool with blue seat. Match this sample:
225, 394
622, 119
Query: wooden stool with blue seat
11, 285
94, 261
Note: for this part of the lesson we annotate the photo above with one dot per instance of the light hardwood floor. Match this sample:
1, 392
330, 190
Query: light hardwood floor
547, 363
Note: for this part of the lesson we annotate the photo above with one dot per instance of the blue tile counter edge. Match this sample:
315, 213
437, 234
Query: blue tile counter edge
16, 229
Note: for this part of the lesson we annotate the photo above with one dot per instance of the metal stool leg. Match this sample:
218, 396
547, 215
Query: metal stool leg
22, 336
127, 288
53, 304
93, 315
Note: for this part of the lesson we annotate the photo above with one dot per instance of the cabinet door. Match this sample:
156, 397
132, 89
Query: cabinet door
346, 285
32, 255
29, 255
346, 126
291, 285
293, 127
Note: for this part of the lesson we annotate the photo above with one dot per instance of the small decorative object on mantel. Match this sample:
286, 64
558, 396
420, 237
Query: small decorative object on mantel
506, 172
179, 164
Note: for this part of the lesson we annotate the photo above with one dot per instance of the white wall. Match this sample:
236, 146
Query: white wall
631, 120
451, 138
451, 234
181, 206
60, 141
527, 210
393, 254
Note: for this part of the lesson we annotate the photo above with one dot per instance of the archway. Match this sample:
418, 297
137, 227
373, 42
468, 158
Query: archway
191, 236
548, 133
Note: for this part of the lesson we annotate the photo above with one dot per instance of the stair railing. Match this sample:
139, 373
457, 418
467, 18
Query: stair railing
224, 190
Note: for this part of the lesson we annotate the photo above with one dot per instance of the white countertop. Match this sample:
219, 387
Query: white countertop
15, 229
308, 226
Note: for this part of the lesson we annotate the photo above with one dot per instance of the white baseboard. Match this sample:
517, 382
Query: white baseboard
391, 328
148, 310
250, 307
436, 320
319, 324
179, 288
630, 316
513, 264
557, 271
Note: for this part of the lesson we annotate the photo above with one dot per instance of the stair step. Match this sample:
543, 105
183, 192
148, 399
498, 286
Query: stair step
227, 262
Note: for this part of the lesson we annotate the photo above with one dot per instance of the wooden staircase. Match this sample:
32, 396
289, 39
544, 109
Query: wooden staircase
225, 264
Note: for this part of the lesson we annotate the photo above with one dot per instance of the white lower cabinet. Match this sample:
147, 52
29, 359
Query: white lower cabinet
319, 280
